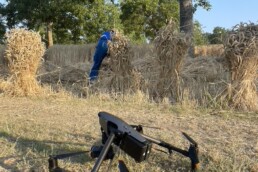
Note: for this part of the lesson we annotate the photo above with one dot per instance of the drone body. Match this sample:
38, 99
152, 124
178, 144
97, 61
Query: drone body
131, 140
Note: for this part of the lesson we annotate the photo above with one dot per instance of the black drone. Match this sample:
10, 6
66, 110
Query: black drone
131, 140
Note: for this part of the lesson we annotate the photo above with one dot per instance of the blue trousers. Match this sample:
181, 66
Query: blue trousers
99, 55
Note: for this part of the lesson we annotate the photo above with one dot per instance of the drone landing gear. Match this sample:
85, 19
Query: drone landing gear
104, 152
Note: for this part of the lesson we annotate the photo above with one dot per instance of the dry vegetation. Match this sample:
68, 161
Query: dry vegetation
209, 50
66, 119
23, 52
171, 47
241, 50
119, 75
32, 129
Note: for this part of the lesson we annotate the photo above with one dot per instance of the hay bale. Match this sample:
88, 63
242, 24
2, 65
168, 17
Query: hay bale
24, 51
241, 51
171, 47
119, 75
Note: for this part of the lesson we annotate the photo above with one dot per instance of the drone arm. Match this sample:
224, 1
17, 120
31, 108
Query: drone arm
166, 145
192, 153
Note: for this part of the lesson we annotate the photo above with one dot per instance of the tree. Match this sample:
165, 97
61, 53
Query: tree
141, 19
187, 8
199, 37
217, 35
101, 16
2, 25
46, 14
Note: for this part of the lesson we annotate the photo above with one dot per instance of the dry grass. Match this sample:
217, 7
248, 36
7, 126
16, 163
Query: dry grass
63, 55
32, 129
205, 79
2, 49
209, 51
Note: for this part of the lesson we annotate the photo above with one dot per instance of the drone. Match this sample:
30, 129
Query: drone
131, 140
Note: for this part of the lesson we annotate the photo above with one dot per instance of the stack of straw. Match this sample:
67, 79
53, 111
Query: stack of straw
171, 47
120, 75
241, 51
24, 51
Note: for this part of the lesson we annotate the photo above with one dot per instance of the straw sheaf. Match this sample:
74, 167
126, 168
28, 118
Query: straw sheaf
241, 43
171, 47
242, 54
168, 39
120, 73
24, 51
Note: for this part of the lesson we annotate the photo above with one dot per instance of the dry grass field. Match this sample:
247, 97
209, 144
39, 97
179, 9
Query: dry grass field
33, 128
56, 110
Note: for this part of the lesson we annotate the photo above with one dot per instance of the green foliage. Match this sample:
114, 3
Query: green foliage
74, 21
199, 37
205, 4
146, 17
80, 21
2, 24
135, 39
217, 36
37, 14
101, 16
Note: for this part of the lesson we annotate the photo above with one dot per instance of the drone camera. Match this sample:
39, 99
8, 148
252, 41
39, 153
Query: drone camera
139, 151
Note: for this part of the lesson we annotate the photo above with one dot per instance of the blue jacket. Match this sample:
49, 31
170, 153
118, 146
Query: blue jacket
106, 36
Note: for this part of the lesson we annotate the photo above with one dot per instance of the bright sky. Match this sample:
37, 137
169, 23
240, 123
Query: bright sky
225, 13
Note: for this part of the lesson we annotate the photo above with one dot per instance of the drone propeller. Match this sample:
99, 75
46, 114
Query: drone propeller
190, 139
193, 152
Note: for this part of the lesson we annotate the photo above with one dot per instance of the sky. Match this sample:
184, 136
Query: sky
225, 13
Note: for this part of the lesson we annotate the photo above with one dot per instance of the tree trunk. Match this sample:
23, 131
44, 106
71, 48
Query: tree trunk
186, 22
50, 34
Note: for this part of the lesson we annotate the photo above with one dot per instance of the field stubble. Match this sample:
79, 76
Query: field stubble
33, 128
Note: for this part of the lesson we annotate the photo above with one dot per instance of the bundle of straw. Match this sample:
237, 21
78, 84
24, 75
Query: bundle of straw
241, 51
120, 77
24, 51
171, 47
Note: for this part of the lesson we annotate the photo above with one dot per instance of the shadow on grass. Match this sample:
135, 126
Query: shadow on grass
36, 152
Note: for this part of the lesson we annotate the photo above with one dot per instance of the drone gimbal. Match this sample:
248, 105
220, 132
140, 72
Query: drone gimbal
131, 140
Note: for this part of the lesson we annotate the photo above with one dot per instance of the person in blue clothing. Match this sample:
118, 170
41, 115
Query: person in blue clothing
100, 53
